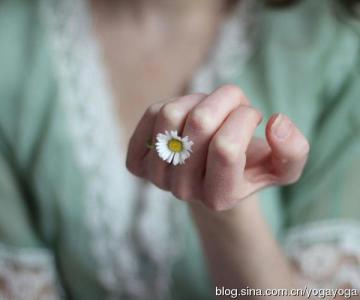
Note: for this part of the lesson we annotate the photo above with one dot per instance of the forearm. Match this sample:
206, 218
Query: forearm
240, 248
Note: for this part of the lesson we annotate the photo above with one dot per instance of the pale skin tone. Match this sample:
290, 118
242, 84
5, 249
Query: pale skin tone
228, 166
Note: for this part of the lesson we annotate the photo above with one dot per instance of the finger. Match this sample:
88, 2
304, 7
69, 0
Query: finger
226, 158
137, 145
289, 148
257, 152
171, 116
201, 124
257, 173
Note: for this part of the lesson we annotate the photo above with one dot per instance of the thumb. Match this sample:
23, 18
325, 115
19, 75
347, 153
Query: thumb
289, 148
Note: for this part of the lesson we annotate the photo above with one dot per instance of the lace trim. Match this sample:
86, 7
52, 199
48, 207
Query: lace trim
27, 274
129, 228
327, 253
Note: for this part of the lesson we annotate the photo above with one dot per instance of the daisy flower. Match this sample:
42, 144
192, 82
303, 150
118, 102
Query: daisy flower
173, 148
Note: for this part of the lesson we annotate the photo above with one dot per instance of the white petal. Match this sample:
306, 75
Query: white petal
162, 149
186, 155
170, 158
176, 159
166, 154
187, 147
161, 136
162, 140
182, 158
174, 134
161, 143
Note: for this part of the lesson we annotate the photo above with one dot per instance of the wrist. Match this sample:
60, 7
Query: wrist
242, 211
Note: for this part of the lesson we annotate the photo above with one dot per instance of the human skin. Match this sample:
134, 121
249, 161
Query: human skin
227, 164
220, 179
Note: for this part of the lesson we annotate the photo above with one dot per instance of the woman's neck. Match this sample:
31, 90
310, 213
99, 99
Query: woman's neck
152, 48
139, 10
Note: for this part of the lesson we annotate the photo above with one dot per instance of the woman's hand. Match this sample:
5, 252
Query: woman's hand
227, 164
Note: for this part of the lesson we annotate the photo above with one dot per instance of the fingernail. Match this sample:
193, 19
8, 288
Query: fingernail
281, 127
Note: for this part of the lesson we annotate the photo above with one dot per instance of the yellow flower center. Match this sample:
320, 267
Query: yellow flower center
175, 145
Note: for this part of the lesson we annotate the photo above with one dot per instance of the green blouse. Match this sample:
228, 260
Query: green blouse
69, 211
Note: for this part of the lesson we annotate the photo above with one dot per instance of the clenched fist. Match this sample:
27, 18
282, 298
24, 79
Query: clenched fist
227, 163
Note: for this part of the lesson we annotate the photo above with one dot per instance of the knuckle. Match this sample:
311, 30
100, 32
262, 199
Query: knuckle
251, 113
232, 90
254, 113
200, 119
129, 166
133, 168
226, 151
180, 192
198, 95
157, 181
154, 173
184, 188
171, 112
153, 109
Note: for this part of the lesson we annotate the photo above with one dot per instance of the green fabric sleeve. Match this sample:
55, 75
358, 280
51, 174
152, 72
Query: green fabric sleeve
307, 66
329, 188
26, 86
42, 190
16, 226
